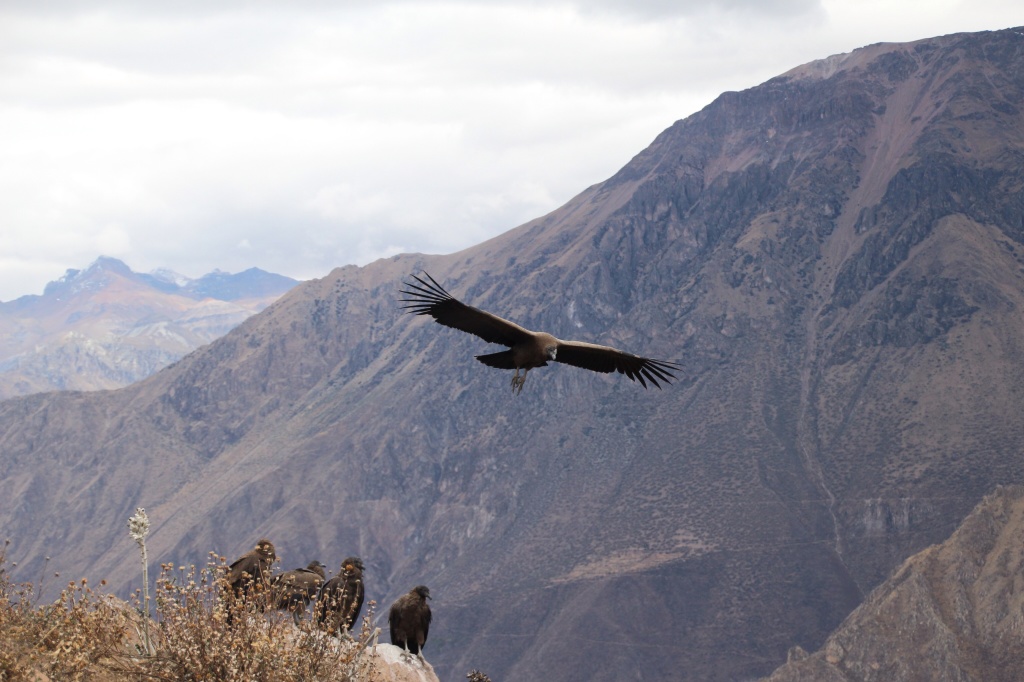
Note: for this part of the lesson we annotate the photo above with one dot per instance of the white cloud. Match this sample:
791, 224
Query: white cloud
297, 138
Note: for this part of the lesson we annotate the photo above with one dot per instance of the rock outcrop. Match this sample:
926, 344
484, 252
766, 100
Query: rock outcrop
388, 663
954, 611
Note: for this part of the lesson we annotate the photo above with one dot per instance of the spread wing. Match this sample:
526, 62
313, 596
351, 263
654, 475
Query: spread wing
606, 359
430, 298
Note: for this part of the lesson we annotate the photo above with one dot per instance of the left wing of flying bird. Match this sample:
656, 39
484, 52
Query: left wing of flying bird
606, 359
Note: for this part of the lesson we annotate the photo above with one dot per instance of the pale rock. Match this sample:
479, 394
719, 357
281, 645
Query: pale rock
389, 663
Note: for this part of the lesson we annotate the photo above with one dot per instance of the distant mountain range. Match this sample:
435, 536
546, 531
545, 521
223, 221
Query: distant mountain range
107, 326
836, 260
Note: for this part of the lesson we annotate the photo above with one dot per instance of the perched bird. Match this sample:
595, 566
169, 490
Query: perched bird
252, 568
341, 598
292, 590
528, 349
247, 576
409, 620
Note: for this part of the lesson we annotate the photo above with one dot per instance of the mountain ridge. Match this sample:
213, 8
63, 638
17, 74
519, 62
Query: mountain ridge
107, 326
949, 612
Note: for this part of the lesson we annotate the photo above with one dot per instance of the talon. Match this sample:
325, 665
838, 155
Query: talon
518, 381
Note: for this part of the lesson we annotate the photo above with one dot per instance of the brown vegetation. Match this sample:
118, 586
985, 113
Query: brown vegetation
86, 634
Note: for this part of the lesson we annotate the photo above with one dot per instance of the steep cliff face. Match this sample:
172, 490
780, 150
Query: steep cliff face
835, 259
951, 612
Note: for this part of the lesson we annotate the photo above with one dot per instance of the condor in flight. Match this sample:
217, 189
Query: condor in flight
527, 349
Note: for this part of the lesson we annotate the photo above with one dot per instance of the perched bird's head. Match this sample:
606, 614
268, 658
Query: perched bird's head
266, 548
422, 590
351, 564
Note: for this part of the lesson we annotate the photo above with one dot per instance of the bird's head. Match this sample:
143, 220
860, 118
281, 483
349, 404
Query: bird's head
551, 352
351, 564
266, 548
423, 591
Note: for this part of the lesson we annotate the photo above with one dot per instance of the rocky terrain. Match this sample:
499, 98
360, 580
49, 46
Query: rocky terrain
835, 258
951, 612
387, 664
107, 327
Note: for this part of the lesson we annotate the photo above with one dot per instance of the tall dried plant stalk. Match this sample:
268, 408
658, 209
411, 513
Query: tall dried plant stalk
138, 529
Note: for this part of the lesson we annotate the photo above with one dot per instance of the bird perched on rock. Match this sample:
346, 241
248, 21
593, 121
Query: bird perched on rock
341, 598
409, 620
292, 590
248, 575
528, 349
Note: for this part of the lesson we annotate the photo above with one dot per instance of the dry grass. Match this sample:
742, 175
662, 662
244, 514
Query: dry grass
86, 634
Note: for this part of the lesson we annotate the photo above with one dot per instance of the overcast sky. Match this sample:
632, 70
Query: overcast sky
300, 136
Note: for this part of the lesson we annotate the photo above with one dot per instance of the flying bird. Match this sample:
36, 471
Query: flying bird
341, 598
527, 349
409, 620
292, 590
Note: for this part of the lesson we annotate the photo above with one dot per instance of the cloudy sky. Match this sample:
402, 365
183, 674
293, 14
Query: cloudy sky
300, 136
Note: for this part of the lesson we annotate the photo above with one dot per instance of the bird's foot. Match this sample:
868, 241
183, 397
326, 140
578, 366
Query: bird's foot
518, 382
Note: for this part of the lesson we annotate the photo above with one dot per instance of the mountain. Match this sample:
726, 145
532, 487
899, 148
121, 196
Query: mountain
107, 327
951, 612
835, 257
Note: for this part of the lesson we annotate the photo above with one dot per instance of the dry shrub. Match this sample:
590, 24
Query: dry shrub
86, 635
203, 632
72, 638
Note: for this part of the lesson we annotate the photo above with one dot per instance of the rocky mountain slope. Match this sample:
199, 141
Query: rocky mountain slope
107, 327
836, 258
951, 612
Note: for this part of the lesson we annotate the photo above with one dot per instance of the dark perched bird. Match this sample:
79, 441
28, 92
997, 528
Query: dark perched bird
247, 576
409, 620
252, 568
528, 349
292, 590
341, 598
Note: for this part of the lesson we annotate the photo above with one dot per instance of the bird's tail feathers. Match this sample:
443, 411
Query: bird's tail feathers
501, 360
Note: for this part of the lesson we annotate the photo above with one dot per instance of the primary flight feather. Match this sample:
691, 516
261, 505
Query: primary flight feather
527, 349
